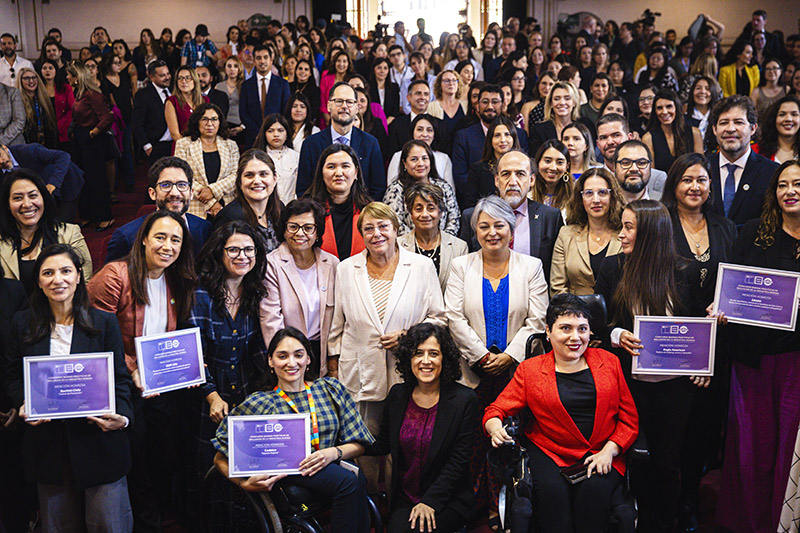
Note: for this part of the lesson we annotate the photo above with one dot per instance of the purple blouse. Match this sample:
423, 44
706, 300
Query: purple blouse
415, 439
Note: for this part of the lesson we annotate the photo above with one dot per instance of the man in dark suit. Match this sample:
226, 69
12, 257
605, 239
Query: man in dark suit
739, 176
149, 125
468, 142
215, 96
342, 106
170, 188
507, 45
537, 224
419, 96
261, 95
62, 177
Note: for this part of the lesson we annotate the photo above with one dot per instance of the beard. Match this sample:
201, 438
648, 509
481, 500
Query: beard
164, 204
633, 186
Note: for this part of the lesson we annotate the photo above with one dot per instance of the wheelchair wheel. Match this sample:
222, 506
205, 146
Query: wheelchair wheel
226, 507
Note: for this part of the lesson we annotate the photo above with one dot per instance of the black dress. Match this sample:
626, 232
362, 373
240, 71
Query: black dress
480, 183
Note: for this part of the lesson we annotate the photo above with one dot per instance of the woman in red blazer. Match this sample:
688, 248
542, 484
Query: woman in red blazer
583, 413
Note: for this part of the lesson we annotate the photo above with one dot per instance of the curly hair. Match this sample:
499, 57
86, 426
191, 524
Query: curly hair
576, 213
771, 215
300, 207
212, 274
416, 335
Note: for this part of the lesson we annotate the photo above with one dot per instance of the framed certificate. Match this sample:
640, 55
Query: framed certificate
757, 296
170, 361
69, 386
675, 345
269, 444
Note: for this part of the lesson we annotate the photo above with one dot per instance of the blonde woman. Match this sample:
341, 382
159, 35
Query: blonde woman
186, 97
448, 104
234, 77
561, 108
40, 118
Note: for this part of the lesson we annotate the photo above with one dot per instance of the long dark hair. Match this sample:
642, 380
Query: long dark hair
768, 143
60, 82
269, 120
273, 203
211, 271
576, 212
434, 124
681, 132
47, 232
676, 171
488, 149
180, 275
308, 124
268, 381
193, 126
319, 192
42, 320
771, 214
405, 179
564, 185
648, 284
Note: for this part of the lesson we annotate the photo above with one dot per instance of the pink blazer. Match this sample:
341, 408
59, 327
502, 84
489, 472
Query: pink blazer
110, 290
285, 304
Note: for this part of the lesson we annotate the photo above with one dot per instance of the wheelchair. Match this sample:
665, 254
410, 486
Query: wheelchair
510, 463
285, 509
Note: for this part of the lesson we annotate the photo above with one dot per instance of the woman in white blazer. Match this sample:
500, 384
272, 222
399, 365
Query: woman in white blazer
380, 293
213, 156
491, 326
300, 280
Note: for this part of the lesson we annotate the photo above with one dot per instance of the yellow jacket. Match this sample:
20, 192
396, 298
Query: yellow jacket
727, 78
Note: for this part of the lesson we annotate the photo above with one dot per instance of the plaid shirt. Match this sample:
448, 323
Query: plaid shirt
233, 349
197, 52
338, 418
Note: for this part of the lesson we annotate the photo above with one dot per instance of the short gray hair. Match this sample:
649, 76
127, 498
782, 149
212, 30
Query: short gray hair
495, 207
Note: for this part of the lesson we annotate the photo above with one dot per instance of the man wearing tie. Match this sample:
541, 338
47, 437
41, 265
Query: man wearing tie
261, 95
342, 104
537, 224
149, 125
739, 176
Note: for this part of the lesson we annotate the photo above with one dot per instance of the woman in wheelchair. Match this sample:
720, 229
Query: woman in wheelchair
428, 426
583, 416
338, 432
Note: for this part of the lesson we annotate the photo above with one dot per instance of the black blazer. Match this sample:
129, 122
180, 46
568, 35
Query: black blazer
721, 234
400, 133
545, 223
480, 183
749, 197
219, 99
13, 296
446, 481
96, 458
544, 131
149, 123
391, 98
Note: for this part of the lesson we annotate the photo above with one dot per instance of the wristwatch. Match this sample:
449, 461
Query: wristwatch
339, 452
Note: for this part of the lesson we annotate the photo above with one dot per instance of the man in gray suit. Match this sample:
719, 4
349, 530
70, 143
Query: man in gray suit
12, 116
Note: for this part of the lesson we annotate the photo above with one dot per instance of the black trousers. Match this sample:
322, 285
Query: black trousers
90, 156
160, 149
663, 413
562, 507
446, 521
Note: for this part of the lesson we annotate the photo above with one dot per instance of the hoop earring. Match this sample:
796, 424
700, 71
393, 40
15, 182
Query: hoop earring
566, 177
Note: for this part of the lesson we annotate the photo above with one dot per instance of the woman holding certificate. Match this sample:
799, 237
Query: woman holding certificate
149, 291
337, 431
79, 467
648, 278
766, 369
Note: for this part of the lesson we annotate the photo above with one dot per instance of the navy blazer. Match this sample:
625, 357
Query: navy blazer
445, 480
122, 239
369, 155
749, 197
95, 457
250, 105
53, 166
468, 148
545, 223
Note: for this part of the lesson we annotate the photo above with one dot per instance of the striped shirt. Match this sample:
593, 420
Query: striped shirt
380, 289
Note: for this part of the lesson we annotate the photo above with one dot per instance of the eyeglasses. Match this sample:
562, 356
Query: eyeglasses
646, 98
772, 69
450, 81
28, 78
589, 193
340, 102
209, 120
184, 78
308, 229
628, 163
166, 186
234, 251
383, 228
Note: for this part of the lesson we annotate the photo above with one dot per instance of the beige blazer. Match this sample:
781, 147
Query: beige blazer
435, 108
286, 304
67, 234
451, 247
225, 187
365, 368
571, 269
527, 305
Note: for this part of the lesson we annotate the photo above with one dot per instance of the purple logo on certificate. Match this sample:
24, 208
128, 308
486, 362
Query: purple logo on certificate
259, 445
758, 297
64, 387
170, 361
675, 345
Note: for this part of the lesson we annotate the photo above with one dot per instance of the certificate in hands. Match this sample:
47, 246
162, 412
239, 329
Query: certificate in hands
675, 345
269, 444
69, 386
757, 296
170, 361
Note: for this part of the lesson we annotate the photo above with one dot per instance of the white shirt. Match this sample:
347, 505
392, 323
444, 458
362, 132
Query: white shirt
5, 70
402, 79
297, 142
737, 174
286, 162
451, 65
522, 233
61, 339
703, 125
266, 79
155, 314
308, 277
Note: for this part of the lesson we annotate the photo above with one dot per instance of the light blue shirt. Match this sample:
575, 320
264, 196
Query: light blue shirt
335, 136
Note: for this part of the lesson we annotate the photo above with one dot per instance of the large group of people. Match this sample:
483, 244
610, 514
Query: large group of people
324, 206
